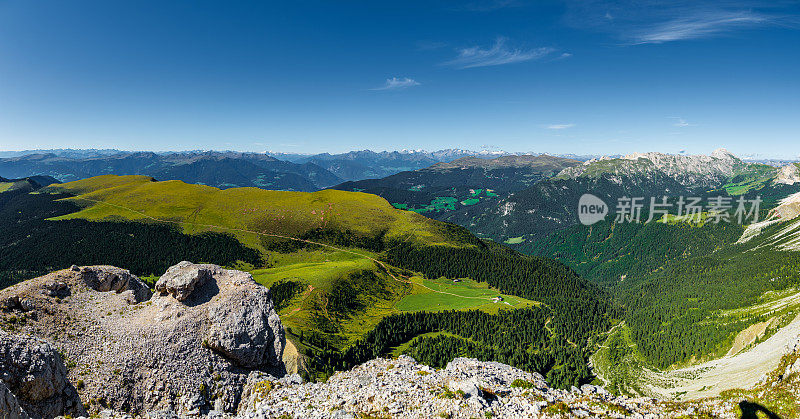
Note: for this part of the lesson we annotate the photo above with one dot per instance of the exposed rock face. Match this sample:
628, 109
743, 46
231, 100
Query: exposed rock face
698, 170
188, 348
788, 175
540, 162
466, 388
243, 325
9, 405
249, 333
180, 280
33, 379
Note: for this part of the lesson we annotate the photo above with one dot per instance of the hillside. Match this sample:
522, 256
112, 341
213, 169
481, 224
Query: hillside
27, 184
443, 189
354, 278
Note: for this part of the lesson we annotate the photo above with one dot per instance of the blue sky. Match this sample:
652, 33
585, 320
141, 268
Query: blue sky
311, 76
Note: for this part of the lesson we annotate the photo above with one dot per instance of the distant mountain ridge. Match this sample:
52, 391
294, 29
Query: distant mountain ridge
219, 169
226, 169
541, 162
368, 164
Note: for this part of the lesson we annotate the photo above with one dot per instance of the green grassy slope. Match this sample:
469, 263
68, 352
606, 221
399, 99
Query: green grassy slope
199, 207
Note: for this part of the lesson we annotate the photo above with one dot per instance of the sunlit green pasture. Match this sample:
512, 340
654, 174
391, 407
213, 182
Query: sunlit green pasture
200, 208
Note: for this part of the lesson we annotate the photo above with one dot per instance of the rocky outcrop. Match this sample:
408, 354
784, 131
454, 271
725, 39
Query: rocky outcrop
180, 280
259, 385
33, 379
466, 388
247, 330
788, 237
242, 322
788, 175
188, 348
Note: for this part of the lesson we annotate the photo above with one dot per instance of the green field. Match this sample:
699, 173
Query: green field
756, 177
318, 271
249, 213
444, 294
515, 240
244, 212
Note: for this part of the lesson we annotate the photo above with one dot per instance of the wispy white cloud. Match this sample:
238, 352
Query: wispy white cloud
498, 54
699, 26
560, 126
680, 122
397, 83
660, 21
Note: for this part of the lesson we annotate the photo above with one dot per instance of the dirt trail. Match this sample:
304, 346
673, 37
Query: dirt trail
742, 370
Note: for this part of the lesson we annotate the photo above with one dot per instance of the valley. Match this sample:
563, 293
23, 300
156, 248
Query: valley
756, 352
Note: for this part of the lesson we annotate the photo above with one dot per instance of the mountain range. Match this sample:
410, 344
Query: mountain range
226, 169
367, 164
550, 205
219, 169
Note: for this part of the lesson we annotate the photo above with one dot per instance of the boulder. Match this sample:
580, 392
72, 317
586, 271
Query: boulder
180, 280
34, 373
247, 330
469, 387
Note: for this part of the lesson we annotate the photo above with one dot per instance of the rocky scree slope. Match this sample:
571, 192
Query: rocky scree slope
465, 388
188, 348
